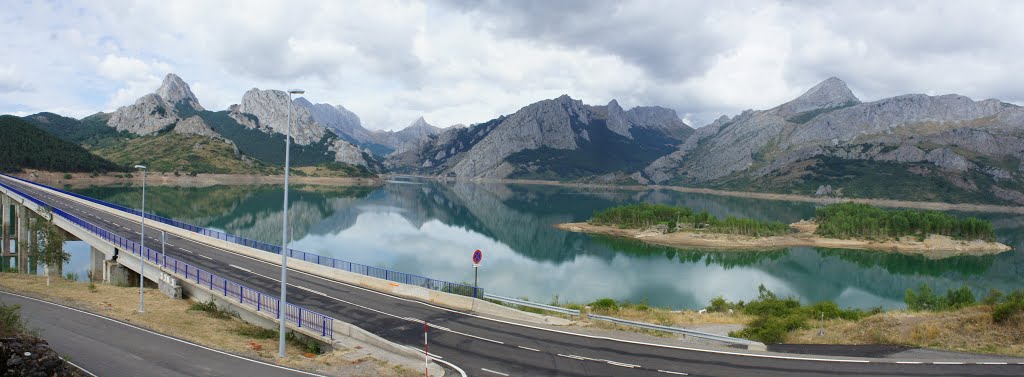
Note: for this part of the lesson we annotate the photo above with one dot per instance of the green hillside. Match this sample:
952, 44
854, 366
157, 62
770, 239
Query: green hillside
171, 152
87, 131
25, 146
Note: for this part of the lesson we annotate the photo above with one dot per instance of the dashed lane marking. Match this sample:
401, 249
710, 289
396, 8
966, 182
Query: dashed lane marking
671, 372
241, 268
491, 371
529, 349
201, 255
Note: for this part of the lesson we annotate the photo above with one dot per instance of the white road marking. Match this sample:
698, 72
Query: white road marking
993, 363
498, 373
529, 349
947, 363
78, 366
201, 255
241, 268
453, 366
909, 362
421, 351
671, 372
165, 336
624, 365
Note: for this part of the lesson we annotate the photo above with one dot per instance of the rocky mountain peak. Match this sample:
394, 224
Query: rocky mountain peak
420, 123
271, 108
174, 90
830, 93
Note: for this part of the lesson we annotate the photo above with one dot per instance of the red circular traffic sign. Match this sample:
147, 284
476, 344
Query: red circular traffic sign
477, 256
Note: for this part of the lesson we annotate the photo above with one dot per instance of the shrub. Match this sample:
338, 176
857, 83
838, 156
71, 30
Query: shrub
1003, 312
67, 176
960, 298
993, 297
212, 309
255, 332
718, 305
605, 304
10, 321
924, 299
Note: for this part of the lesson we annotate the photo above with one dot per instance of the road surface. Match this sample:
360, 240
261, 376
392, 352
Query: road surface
107, 347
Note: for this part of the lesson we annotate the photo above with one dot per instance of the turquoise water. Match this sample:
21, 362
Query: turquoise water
432, 228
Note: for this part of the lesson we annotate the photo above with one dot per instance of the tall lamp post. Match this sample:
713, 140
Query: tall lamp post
284, 229
142, 250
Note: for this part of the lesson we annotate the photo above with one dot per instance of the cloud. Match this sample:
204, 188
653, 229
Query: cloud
468, 62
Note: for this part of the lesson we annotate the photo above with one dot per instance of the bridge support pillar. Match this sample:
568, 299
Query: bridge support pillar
22, 234
6, 250
6, 247
119, 275
96, 259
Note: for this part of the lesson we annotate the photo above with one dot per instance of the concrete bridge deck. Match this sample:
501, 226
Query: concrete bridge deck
487, 345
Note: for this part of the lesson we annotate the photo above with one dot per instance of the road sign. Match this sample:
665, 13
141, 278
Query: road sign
477, 256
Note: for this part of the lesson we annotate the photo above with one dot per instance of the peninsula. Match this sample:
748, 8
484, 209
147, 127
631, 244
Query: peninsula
842, 226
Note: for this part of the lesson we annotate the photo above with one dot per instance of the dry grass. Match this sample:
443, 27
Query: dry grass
173, 317
965, 330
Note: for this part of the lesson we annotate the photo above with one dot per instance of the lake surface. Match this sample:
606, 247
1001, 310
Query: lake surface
431, 229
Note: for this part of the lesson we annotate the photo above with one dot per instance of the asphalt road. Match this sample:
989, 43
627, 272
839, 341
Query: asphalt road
491, 347
107, 347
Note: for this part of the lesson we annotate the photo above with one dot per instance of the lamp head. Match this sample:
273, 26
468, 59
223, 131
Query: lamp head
140, 166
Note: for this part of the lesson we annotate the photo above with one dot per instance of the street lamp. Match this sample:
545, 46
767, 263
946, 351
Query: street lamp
284, 229
142, 249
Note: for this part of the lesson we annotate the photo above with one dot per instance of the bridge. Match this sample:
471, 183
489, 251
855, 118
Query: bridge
331, 301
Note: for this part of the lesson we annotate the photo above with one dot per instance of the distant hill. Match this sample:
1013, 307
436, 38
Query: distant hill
946, 148
557, 139
24, 146
175, 152
74, 130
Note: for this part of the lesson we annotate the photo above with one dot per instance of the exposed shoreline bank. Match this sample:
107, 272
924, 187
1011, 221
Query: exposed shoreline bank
892, 203
935, 246
201, 180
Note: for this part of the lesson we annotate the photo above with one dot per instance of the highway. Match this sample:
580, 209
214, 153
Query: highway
107, 347
493, 347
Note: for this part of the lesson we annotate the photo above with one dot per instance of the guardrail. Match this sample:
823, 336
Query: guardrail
649, 326
516, 301
262, 302
362, 269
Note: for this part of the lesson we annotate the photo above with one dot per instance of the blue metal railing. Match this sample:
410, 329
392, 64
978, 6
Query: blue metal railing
262, 302
362, 269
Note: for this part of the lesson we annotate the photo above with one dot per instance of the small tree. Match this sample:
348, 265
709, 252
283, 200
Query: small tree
49, 246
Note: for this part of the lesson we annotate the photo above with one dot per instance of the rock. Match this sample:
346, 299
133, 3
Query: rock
338, 119
148, 115
824, 190
155, 111
194, 125
270, 108
26, 355
828, 94
946, 159
176, 92
348, 153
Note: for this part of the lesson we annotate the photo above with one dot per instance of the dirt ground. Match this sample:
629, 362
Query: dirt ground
965, 330
173, 317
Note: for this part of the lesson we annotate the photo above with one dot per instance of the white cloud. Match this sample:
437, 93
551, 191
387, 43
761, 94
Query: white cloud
392, 61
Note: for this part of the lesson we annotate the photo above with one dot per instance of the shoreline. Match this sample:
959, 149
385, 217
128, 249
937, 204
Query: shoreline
57, 179
934, 246
891, 203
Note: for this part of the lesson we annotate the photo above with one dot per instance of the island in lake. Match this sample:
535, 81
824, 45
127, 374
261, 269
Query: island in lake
842, 226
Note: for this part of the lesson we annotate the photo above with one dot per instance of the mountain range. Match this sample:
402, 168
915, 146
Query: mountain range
825, 142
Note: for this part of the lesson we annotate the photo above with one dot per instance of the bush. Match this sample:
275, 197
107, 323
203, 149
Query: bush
778, 316
1003, 312
605, 304
925, 300
67, 176
212, 309
255, 332
10, 321
718, 305
993, 297
960, 298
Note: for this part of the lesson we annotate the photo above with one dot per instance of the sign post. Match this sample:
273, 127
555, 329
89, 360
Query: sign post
477, 257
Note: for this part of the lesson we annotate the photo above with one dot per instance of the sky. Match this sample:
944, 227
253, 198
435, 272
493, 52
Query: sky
470, 61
